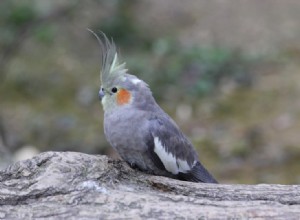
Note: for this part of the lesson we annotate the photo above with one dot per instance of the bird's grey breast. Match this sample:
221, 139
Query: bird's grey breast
125, 130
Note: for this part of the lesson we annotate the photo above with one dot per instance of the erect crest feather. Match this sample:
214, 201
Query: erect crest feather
111, 66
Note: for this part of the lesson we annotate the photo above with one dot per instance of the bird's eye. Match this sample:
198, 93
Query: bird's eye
114, 90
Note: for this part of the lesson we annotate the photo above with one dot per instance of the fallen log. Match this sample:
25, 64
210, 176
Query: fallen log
69, 185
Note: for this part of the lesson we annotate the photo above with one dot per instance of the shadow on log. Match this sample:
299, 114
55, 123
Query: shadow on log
69, 185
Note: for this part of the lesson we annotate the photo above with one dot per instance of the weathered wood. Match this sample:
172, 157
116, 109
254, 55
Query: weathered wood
68, 185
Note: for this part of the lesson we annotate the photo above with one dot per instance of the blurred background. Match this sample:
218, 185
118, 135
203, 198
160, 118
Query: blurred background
228, 72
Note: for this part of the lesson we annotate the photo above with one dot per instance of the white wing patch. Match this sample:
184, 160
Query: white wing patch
136, 81
171, 163
183, 166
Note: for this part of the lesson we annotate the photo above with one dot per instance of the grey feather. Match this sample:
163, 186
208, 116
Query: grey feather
142, 133
177, 144
198, 174
162, 126
153, 156
111, 68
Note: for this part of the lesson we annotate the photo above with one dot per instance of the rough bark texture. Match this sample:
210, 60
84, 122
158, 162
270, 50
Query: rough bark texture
68, 185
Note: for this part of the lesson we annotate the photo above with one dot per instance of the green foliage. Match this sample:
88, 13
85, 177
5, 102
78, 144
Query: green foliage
16, 14
204, 69
240, 150
21, 14
45, 33
160, 62
122, 26
200, 71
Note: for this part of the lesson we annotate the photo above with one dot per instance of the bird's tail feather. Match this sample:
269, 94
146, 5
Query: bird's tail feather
198, 174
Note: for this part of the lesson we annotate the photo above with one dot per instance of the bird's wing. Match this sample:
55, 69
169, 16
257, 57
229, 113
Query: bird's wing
170, 150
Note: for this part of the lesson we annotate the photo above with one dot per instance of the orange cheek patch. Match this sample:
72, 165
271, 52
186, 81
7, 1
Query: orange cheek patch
123, 97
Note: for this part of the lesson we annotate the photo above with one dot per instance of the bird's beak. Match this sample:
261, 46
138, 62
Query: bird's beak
101, 93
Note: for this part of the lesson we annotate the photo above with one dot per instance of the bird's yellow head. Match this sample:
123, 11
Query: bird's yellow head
118, 88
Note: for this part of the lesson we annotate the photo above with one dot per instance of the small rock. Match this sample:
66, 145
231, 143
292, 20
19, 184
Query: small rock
25, 153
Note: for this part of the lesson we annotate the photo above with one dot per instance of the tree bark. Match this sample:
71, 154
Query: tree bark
69, 185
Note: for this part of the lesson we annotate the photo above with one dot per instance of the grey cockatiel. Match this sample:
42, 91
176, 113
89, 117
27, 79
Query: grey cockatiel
142, 133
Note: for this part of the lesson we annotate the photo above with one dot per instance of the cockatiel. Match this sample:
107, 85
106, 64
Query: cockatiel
142, 133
